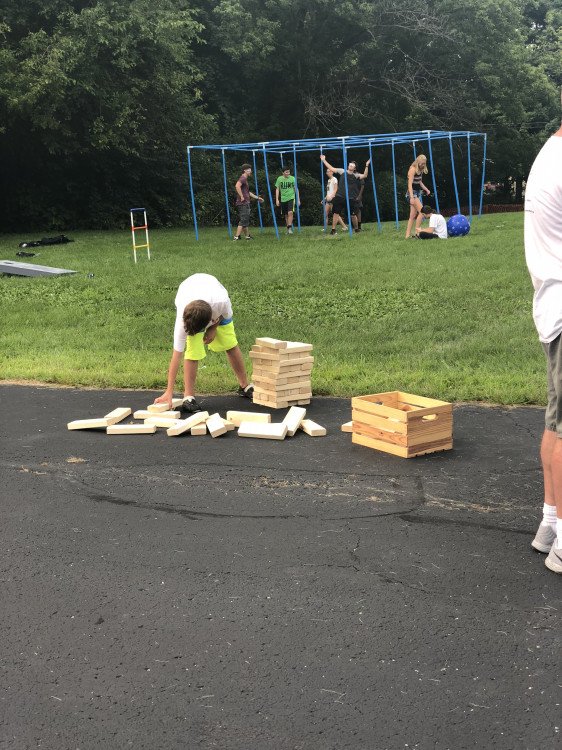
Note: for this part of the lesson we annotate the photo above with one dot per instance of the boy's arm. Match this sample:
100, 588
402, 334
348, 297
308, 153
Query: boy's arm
276, 195
239, 190
366, 172
256, 197
211, 331
166, 397
329, 166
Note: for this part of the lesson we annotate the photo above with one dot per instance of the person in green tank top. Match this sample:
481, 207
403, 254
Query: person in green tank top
285, 195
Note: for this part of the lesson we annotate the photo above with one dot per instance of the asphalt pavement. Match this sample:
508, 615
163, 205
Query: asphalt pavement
198, 593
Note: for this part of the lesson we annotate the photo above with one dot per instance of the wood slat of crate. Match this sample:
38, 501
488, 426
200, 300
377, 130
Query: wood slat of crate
402, 423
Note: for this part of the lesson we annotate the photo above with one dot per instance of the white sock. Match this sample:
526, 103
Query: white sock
549, 515
558, 541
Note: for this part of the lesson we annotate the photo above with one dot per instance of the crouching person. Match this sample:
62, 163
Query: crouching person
437, 228
203, 318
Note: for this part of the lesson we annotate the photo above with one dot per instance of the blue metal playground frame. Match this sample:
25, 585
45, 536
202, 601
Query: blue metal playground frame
416, 139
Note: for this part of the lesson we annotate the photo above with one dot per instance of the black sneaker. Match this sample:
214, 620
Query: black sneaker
249, 237
235, 238
247, 392
190, 406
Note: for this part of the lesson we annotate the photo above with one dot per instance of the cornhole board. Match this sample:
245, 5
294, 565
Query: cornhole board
30, 269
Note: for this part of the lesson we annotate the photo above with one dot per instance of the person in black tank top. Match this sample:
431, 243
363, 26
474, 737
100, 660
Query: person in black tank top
415, 188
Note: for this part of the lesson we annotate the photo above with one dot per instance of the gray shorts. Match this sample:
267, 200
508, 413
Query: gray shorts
243, 215
553, 414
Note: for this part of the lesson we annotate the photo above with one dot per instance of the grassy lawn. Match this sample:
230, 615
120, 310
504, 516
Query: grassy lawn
445, 319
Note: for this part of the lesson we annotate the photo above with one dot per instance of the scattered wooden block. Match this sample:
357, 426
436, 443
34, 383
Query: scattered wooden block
271, 343
215, 425
146, 414
267, 431
159, 421
347, 427
293, 419
182, 425
117, 415
176, 402
199, 429
157, 408
229, 425
237, 417
88, 424
312, 428
131, 429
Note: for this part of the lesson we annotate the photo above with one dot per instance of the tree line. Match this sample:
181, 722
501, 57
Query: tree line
99, 98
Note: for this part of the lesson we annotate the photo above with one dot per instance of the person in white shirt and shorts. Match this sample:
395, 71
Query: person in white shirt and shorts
437, 228
543, 254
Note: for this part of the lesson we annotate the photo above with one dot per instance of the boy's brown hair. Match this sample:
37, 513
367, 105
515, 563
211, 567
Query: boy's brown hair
196, 316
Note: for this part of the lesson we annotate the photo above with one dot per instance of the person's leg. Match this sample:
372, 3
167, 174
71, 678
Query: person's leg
289, 219
189, 377
236, 361
415, 208
239, 229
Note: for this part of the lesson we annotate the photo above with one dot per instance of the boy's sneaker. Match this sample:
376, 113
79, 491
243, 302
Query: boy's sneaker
544, 538
249, 237
235, 238
290, 230
332, 232
190, 406
554, 560
247, 392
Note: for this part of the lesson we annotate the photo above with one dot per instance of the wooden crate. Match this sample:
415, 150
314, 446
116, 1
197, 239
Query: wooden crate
402, 424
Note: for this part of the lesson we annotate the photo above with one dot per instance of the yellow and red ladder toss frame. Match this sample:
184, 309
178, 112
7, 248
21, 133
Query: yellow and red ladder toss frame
136, 228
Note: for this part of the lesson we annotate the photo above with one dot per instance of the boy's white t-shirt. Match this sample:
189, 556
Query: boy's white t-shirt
200, 286
332, 187
439, 225
543, 238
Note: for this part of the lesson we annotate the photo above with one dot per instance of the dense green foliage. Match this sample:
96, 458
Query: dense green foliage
449, 319
98, 98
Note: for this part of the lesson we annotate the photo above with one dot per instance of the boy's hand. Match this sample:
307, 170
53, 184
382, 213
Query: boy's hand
165, 398
210, 334
277, 204
260, 199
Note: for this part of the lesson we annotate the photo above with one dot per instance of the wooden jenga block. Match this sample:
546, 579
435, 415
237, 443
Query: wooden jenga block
146, 414
182, 425
157, 408
271, 404
295, 347
229, 425
199, 429
215, 425
159, 421
271, 343
177, 402
312, 428
293, 419
117, 415
303, 402
87, 424
237, 417
268, 431
131, 429
347, 427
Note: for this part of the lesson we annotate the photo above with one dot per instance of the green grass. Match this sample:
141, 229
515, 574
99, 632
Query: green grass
445, 319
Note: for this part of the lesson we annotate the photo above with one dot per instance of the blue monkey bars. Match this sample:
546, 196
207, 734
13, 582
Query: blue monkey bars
343, 144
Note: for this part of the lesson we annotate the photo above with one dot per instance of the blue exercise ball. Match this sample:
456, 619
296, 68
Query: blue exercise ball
458, 226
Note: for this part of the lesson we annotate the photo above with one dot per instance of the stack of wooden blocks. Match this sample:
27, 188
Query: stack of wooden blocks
282, 372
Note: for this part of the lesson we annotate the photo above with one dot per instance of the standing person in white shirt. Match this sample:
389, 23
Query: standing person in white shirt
543, 253
437, 228
203, 317
331, 190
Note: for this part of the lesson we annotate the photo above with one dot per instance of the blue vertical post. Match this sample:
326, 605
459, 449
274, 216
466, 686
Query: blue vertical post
323, 192
226, 194
191, 191
374, 186
394, 178
282, 162
483, 176
432, 171
257, 190
269, 192
414, 147
350, 223
296, 187
454, 173
469, 180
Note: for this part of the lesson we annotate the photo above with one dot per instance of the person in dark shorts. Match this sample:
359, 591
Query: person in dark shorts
437, 228
285, 195
243, 195
543, 254
354, 181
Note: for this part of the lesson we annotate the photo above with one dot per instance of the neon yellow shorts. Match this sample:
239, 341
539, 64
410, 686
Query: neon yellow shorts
224, 340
